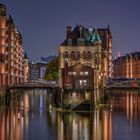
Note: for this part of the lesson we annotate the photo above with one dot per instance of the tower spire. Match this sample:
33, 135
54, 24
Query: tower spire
95, 37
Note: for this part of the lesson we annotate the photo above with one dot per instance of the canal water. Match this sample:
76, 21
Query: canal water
30, 117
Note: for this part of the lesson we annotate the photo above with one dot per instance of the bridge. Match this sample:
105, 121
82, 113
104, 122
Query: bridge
35, 84
128, 84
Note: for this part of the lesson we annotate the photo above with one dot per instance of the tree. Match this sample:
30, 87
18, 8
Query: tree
52, 70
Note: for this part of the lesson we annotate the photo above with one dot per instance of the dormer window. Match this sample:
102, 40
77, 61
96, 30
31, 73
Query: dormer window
80, 42
69, 42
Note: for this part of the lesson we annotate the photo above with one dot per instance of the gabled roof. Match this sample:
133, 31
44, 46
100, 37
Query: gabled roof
82, 33
10, 20
86, 35
25, 56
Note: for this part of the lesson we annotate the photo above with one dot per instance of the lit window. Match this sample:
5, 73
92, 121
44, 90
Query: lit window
66, 55
69, 73
74, 73
81, 73
86, 73
85, 82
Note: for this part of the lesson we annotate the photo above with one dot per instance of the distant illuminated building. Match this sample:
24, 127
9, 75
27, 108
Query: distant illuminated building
127, 66
85, 58
33, 71
42, 69
37, 70
47, 60
119, 54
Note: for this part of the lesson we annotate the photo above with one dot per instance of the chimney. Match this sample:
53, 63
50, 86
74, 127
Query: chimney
69, 30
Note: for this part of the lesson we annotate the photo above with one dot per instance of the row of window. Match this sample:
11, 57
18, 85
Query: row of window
77, 55
81, 73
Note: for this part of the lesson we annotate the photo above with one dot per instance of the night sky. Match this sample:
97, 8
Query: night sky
42, 23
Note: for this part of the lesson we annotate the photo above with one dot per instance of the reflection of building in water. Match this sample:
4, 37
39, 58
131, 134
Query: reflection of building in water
94, 126
126, 101
11, 125
101, 125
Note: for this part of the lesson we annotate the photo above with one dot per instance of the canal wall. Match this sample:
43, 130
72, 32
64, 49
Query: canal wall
77, 99
7, 95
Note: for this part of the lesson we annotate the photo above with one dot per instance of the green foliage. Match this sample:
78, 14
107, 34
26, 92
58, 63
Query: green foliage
52, 70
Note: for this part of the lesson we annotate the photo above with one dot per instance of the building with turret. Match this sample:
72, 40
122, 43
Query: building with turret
11, 51
85, 58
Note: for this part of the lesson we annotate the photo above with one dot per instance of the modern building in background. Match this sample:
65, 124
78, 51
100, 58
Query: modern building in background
85, 58
42, 70
48, 59
127, 67
33, 71
11, 51
37, 70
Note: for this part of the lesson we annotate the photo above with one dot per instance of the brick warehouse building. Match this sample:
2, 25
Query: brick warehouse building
11, 51
127, 66
85, 58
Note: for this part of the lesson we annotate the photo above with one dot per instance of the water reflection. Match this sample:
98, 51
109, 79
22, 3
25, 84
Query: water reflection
85, 126
28, 118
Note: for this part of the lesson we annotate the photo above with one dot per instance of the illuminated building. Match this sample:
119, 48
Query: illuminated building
11, 51
37, 70
42, 70
3, 20
127, 66
14, 53
85, 58
33, 71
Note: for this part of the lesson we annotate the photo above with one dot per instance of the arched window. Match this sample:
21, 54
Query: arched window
66, 55
84, 55
89, 55
78, 55
72, 54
